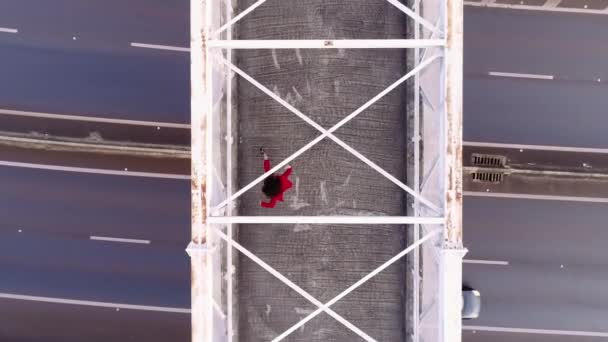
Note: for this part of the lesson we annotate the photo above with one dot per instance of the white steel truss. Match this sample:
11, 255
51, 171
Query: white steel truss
207, 218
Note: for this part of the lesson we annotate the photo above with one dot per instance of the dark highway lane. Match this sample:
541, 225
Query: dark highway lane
77, 268
53, 202
557, 273
48, 225
98, 25
24, 321
535, 112
568, 110
71, 57
144, 85
563, 44
485, 336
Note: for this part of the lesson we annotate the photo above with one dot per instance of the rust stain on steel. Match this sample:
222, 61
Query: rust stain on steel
448, 16
199, 138
453, 79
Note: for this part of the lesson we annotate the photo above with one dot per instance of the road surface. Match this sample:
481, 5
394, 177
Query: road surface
554, 283
25, 321
56, 227
106, 231
566, 111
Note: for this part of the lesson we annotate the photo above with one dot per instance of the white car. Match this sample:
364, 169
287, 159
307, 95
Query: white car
471, 303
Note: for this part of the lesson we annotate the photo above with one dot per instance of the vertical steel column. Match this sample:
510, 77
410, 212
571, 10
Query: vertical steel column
452, 251
199, 248
417, 167
230, 269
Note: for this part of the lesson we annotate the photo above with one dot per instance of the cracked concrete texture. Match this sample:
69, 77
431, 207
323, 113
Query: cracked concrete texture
326, 85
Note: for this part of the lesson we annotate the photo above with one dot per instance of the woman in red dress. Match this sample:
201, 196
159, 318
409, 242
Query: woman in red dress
274, 185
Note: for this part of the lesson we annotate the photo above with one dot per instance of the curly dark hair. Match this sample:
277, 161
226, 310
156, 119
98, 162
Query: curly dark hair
272, 186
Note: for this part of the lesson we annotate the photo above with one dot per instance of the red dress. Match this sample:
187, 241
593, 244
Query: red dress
285, 185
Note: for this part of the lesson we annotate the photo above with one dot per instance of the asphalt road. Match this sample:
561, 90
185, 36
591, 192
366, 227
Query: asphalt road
76, 58
46, 250
556, 273
24, 321
566, 111
140, 85
556, 277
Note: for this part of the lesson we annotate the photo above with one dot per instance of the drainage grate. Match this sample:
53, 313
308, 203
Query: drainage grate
488, 177
488, 160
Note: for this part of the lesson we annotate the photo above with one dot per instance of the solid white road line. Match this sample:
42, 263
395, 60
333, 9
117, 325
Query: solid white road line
485, 262
537, 147
8, 30
94, 171
545, 8
160, 47
536, 197
95, 304
536, 331
92, 119
113, 239
518, 75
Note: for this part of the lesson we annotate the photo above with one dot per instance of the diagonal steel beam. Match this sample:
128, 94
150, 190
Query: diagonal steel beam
328, 133
353, 287
291, 284
425, 23
238, 17
419, 19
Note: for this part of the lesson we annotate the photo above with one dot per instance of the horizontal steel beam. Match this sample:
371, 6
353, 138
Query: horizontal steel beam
325, 220
327, 44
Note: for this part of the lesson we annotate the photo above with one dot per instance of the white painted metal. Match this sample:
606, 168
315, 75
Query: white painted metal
328, 132
238, 17
327, 44
202, 246
450, 295
230, 267
415, 314
339, 141
67, 301
452, 251
428, 175
293, 286
200, 249
420, 20
395, 3
356, 285
325, 220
